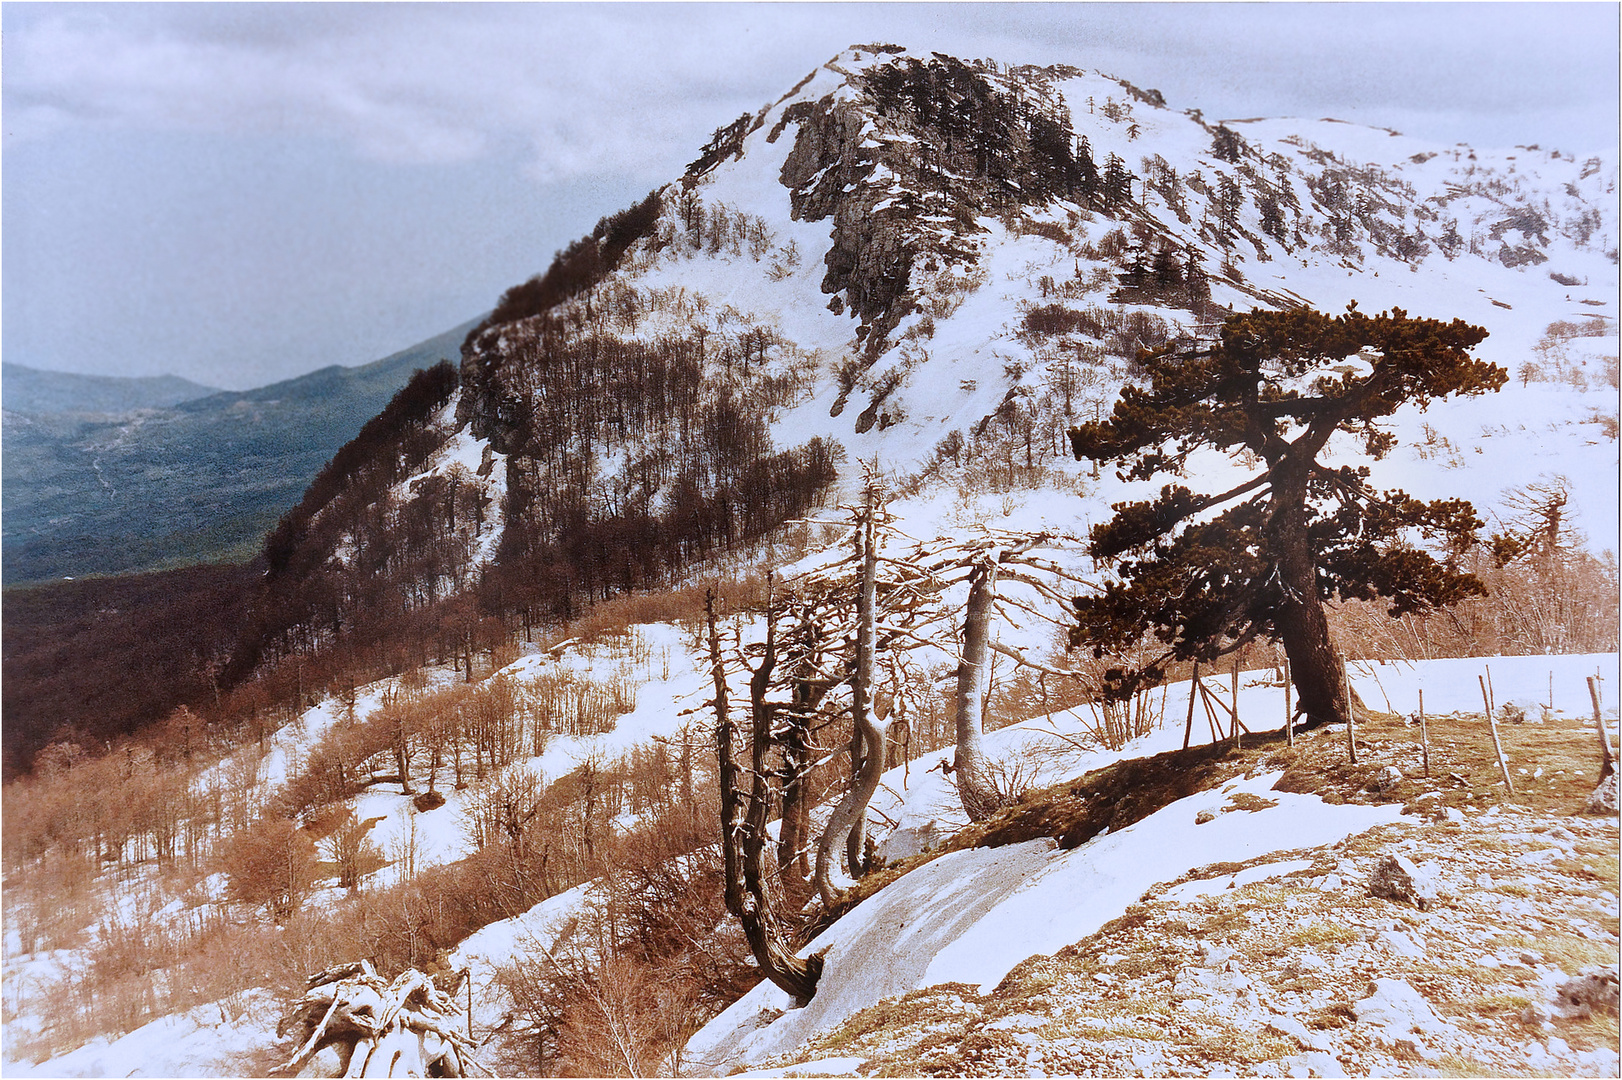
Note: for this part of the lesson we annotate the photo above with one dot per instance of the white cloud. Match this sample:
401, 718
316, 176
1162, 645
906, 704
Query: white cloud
271, 187
622, 87
588, 89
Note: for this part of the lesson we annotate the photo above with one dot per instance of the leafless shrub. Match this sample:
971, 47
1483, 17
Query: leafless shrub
1014, 774
1566, 605
271, 865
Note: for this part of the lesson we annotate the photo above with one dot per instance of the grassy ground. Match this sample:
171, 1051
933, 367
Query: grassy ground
1529, 894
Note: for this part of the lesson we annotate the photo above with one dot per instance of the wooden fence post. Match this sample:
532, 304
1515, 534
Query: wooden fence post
1351, 722
1607, 759
1193, 687
1424, 736
1492, 725
1289, 717
1237, 739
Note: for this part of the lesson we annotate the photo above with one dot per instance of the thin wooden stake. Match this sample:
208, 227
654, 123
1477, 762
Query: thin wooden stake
1351, 724
1492, 725
1607, 759
1210, 714
1193, 687
1238, 740
1289, 717
1424, 737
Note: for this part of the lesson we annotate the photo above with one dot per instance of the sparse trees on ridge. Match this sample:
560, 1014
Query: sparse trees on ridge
1206, 572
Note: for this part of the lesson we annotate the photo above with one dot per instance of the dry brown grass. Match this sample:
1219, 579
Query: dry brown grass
1128, 791
1463, 765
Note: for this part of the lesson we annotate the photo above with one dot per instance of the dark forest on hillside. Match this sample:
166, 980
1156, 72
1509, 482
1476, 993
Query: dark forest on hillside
87, 661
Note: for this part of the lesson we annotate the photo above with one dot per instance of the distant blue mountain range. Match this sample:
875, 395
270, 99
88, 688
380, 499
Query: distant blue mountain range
30, 390
107, 475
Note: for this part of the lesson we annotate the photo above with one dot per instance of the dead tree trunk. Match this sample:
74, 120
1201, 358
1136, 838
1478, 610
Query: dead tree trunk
849, 819
792, 864
402, 756
979, 797
743, 828
403, 1028
869, 764
794, 835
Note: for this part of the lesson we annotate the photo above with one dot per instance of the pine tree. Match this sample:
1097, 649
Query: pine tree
1208, 572
1226, 145
1117, 183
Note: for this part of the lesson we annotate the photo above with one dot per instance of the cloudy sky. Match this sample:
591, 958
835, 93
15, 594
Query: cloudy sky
240, 193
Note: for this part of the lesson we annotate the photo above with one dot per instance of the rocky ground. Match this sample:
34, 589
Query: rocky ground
1460, 941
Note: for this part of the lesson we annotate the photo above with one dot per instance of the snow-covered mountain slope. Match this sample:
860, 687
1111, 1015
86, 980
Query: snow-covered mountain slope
1318, 212
905, 256
929, 269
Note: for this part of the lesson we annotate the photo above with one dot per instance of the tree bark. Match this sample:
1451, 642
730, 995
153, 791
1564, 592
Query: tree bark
1303, 628
743, 842
792, 864
401, 757
974, 786
870, 760
794, 835
849, 818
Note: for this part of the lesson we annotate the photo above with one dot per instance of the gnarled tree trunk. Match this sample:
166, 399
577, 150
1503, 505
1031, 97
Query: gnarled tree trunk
849, 818
743, 831
979, 797
1303, 628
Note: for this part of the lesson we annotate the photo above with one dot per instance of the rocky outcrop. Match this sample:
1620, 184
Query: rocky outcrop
1396, 878
829, 173
1593, 990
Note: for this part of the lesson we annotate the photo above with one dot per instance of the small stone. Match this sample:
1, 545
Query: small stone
1295, 1029
1396, 878
1205, 817
1594, 989
1401, 943
1534, 1015
1402, 1012
1603, 800
1387, 778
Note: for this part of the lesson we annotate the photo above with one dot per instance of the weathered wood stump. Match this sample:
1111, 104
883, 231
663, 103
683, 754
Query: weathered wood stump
400, 1028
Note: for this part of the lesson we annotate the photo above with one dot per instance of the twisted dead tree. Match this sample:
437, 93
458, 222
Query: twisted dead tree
890, 596
907, 600
744, 817
869, 728
399, 1028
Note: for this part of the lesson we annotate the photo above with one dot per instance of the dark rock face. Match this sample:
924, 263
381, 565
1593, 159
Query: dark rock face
827, 173
905, 170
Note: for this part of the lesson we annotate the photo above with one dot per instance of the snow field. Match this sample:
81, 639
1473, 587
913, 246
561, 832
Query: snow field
971, 916
208, 1040
968, 916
